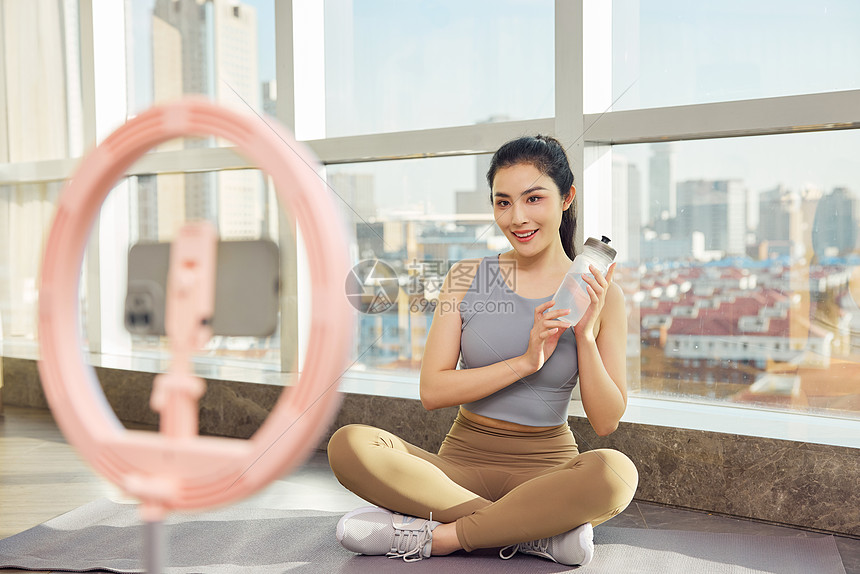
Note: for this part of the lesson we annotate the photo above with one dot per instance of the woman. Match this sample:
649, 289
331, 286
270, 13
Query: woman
509, 472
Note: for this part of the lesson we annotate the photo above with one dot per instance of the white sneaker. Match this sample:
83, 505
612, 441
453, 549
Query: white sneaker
376, 531
572, 548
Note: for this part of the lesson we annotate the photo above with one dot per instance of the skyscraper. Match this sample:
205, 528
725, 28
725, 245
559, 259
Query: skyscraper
217, 40
782, 224
270, 98
662, 201
621, 237
834, 229
357, 195
716, 208
634, 211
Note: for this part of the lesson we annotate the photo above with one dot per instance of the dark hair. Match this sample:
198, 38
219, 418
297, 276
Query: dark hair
547, 154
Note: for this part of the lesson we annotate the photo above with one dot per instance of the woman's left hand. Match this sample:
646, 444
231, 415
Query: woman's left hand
597, 286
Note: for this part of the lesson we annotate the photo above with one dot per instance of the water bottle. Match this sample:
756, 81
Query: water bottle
573, 293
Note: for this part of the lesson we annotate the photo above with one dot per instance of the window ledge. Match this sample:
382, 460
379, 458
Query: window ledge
730, 419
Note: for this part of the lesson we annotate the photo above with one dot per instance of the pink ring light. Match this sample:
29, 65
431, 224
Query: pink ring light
169, 472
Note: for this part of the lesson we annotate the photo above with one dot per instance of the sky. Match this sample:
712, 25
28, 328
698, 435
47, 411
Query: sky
394, 65
680, 52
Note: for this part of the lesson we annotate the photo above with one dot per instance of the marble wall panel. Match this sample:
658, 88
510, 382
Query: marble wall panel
785, 482
128, 394
811, 485
21, 384
675, 465
236, 409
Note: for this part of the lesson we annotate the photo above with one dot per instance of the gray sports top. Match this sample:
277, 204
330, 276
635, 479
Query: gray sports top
495, 325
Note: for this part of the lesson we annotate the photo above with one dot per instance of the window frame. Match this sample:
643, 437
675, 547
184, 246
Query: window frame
579, 52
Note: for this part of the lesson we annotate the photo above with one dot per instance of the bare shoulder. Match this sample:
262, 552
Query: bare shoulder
614, 308
615, 294
614, 313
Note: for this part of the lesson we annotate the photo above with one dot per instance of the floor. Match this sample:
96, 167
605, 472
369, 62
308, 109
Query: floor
41, 477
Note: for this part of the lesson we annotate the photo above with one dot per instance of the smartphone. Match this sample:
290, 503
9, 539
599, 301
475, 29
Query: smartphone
247, 285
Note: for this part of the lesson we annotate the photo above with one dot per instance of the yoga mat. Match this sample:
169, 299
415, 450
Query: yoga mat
108, 536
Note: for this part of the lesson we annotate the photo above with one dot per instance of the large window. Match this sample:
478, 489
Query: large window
739, 256
714, 140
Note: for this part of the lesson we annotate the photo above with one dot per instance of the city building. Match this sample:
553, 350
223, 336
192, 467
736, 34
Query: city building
624, 220
717, 209
834, 229
662, 194
781, 231
217, 40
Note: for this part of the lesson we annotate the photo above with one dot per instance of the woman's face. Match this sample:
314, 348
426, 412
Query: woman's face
527, 207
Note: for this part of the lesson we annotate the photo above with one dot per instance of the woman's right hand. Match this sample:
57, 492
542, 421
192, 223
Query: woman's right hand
544, 336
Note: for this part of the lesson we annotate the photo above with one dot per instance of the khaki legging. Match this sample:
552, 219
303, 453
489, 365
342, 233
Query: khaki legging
499, 486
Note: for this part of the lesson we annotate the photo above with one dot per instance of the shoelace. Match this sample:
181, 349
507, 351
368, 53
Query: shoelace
538, 547
408, 544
